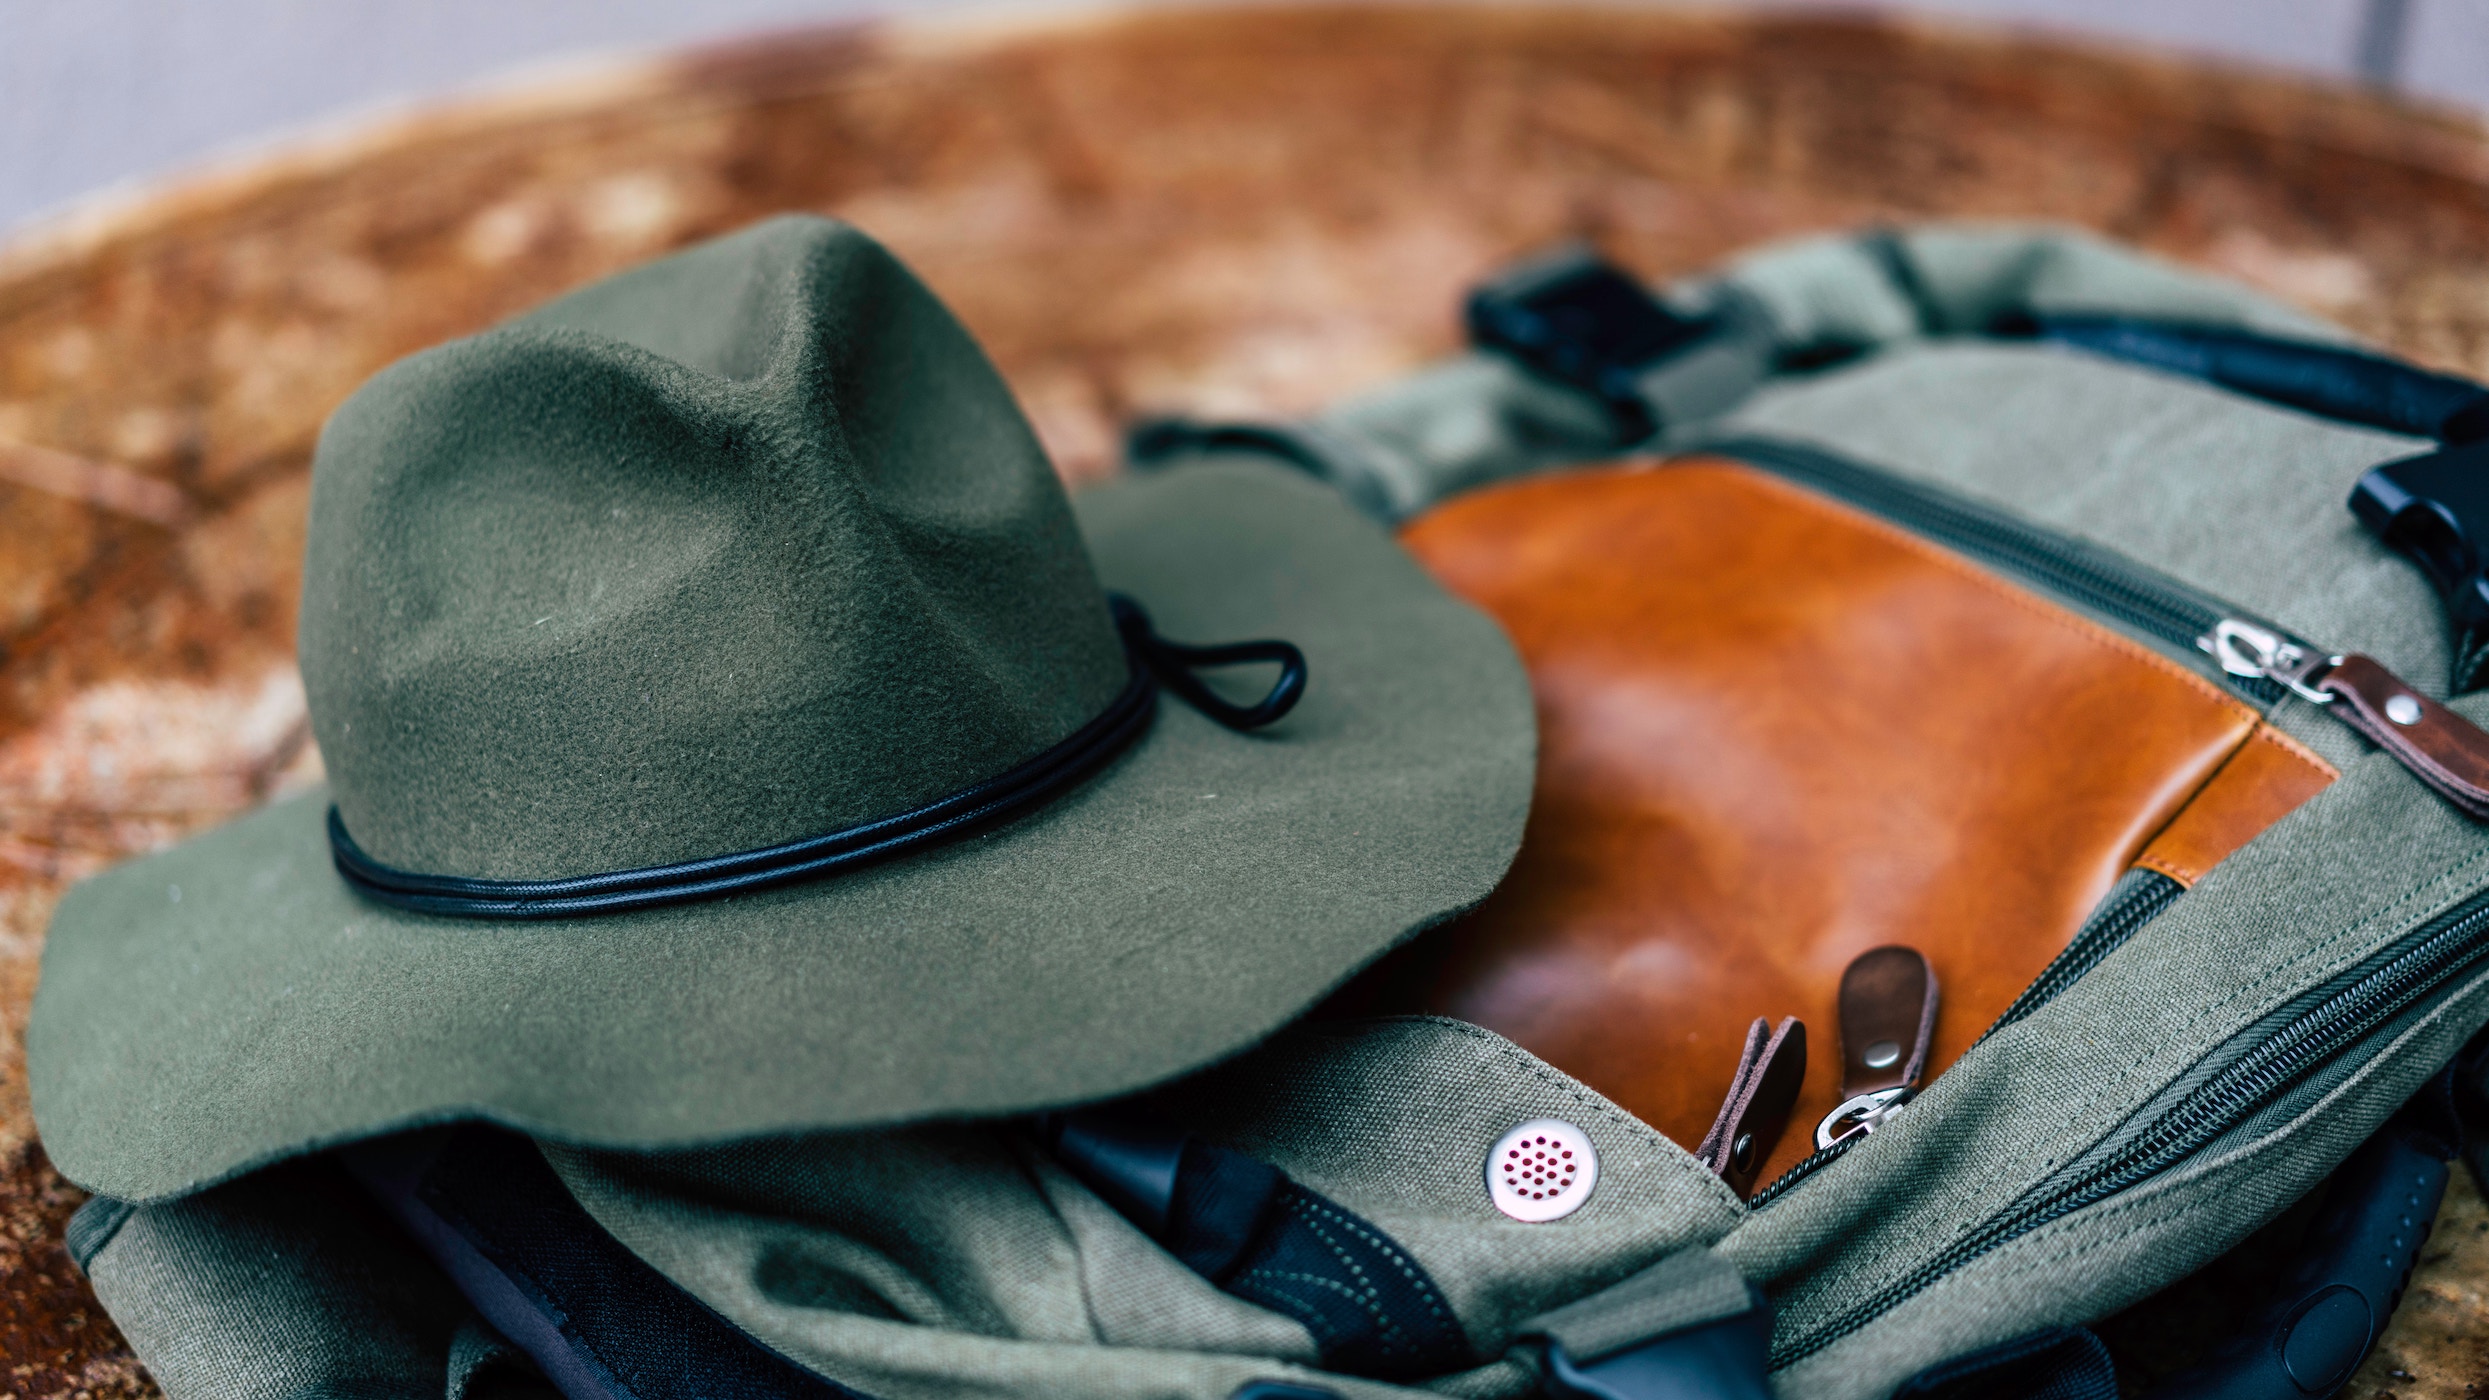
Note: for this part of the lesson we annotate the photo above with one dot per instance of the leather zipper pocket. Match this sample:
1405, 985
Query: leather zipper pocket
2259, 660
1779, 730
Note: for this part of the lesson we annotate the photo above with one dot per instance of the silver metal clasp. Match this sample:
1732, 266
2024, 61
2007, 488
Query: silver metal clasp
2257, 652
1863, 1114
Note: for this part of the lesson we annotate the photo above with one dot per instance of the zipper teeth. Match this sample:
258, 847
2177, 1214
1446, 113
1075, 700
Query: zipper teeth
1800, 1170
2130, 909
2150, 603
2162, 608
2138, 904
2377, 996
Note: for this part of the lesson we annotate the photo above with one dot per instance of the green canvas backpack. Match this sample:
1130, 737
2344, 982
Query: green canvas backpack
1345, 1207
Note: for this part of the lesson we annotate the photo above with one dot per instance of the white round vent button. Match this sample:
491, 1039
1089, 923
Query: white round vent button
1542, 1170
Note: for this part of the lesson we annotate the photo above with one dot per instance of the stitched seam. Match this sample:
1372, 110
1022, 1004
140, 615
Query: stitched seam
2267, 733
2168, 1209
2289, 965
1366, 1294
1267, 1286
2119, 1206
2183, 874
2263, 733
2028, 1267
2120, 1077
1305, 1205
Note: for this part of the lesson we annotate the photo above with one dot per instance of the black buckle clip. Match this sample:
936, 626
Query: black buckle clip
1720, 1360
2435, 510
1577, 319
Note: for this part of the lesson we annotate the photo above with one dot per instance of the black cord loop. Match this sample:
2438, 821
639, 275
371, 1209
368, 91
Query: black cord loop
1152, 658
1175, 665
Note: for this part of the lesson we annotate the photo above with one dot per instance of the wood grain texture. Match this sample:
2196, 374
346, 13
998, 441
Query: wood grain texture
1245, 212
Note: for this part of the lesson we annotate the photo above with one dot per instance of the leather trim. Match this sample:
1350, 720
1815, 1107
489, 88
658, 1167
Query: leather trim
1756, 1113
2440, 747
1888, 997
2265, 781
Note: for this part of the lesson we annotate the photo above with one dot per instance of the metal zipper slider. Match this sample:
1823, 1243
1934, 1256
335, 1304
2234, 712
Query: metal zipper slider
2441, 748
1861, 1114
1888, 1024
2257, 652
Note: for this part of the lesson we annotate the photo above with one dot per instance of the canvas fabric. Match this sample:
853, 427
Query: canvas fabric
2241, 499
987, 1270
287, 1284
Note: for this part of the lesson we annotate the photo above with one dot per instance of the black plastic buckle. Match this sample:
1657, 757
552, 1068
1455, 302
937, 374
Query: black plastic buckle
1577, 319
1720, 1360
2435, 509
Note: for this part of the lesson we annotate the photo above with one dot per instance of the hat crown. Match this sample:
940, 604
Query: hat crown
740, 547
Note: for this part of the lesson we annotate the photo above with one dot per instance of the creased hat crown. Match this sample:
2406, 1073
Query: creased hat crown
744, 546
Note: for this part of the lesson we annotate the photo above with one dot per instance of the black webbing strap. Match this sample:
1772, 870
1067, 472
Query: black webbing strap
1244, 1226
2330, 381
1688, 1327
1723, 1360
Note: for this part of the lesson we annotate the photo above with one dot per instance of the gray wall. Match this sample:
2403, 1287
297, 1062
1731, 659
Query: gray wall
95, 93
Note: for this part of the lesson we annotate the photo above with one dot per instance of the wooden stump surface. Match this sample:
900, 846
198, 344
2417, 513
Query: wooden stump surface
1227, 212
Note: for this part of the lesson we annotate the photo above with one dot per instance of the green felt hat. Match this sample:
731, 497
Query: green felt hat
731, 602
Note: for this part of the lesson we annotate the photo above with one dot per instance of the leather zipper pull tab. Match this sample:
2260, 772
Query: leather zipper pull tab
2443, 749
1760, 1098
1888, 1023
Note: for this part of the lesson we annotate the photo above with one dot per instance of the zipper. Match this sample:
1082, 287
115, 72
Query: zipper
2136, 900
2359, 1003
2117, 588
2259, 661
2256, 659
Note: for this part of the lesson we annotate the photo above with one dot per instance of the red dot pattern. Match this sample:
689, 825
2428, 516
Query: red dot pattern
1538, 1169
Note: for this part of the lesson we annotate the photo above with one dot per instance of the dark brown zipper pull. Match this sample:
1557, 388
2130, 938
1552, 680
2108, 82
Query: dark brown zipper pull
1769, 1075
1888, 1021
2443, 749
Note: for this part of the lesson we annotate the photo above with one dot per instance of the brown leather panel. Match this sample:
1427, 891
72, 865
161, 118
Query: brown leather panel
1776, 733
2265, 781
1888, 1020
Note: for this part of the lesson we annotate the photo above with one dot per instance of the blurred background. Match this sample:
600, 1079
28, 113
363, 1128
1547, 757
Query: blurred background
1239, 212
98, 93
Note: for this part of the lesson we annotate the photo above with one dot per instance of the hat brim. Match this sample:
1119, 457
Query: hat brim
231, 1002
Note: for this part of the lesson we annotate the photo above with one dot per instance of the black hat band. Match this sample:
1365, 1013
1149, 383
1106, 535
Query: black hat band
1154, 660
